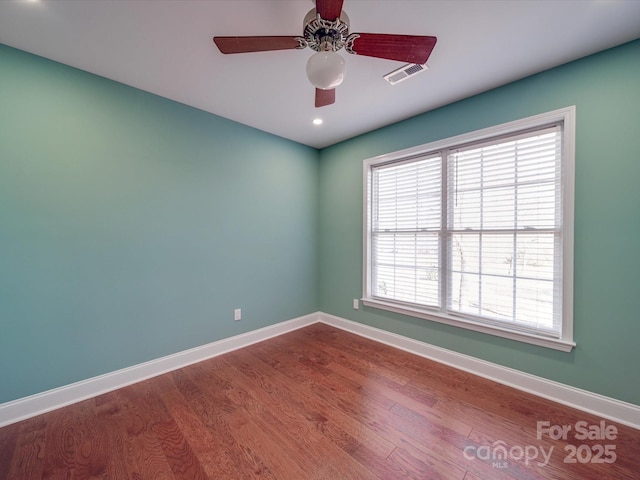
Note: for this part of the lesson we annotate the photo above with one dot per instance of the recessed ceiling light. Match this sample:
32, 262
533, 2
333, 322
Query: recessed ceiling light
317, 121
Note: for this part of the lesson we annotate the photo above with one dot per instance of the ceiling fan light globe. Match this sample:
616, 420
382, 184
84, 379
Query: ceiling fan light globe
325, 70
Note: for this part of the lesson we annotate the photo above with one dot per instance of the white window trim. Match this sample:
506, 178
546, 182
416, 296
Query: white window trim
567, 117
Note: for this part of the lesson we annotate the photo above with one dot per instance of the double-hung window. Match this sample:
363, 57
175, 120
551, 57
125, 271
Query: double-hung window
477, 230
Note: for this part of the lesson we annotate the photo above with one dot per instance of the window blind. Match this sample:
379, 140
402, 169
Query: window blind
473, 231
406, 230
504, 230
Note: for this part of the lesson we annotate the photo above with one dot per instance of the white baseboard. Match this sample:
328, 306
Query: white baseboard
33, 405
610, 408
616, 410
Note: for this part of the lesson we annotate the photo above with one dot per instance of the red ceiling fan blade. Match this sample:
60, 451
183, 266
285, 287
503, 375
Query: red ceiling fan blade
329, 9
325, 97
255, 44
404, 48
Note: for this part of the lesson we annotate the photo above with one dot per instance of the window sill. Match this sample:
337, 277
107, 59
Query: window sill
554, 343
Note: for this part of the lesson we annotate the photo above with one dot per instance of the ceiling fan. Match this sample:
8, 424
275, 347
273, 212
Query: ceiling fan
326, 30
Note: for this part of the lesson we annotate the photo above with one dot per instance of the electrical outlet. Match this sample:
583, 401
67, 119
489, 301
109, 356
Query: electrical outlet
237, 314
356, 304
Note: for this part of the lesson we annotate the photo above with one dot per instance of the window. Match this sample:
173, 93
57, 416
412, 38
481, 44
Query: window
477, 230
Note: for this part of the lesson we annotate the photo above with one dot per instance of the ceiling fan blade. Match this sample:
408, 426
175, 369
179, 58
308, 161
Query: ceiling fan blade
404, 48
325, 97
256, 44
329, 9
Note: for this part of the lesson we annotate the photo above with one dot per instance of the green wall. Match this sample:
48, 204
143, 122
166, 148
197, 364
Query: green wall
131, 226
606, 91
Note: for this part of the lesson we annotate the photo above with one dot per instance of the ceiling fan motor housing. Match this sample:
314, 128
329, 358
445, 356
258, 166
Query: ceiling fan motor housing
324, 35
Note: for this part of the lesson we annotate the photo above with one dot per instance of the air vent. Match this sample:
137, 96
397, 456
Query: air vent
405, 72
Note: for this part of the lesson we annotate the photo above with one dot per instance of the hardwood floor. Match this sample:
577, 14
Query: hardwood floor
317, 403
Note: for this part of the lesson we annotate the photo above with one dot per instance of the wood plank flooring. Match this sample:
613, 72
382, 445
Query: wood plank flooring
317, 403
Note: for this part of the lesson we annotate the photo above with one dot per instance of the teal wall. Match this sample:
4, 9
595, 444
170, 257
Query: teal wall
606, 91
131, 226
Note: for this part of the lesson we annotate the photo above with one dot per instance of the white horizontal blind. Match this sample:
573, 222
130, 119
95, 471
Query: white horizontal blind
504, 231
406, 230
477, 236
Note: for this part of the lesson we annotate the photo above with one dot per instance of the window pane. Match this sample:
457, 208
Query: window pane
512, 184
487, 267
537, 206
465, 211
406, 267
497, 254
465, 252
498, 208
535, 255
465, 293
534, 303
407, 196
497, 297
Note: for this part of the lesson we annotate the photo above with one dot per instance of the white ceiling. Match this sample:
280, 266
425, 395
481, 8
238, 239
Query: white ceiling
165, 47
